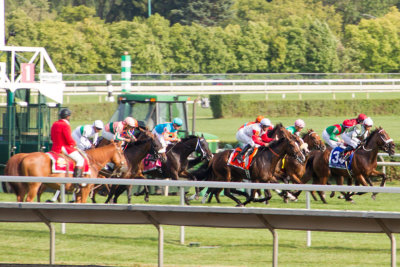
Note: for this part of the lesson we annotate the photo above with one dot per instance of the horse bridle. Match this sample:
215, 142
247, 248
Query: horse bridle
387, 142
199, 148
319, 145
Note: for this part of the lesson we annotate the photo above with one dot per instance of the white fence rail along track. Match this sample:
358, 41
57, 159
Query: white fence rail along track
158, 215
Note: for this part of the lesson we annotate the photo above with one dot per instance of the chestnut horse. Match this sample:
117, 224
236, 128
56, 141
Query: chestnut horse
262, 168
363, 165
135, 152
39, 164
291, 169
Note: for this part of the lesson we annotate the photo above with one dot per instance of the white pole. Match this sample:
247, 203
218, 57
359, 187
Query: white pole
2, 24
308, 205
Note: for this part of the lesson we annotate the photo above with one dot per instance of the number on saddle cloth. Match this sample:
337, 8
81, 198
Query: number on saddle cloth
337, 161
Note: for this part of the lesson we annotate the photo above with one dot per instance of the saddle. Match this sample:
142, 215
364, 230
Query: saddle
248, 160
63, 164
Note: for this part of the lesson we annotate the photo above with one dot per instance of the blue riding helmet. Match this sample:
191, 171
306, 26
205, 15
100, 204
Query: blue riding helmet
177, 121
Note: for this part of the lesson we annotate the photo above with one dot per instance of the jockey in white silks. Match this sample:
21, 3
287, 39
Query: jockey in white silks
84, 133
354, 135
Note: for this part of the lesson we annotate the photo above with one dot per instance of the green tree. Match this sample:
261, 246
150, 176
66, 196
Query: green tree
374, 44
37, 9
202, 12
72, 14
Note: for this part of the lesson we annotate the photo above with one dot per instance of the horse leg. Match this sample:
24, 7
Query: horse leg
120, 189
228, 194
111, 194
383, 182
33, 189
85, 191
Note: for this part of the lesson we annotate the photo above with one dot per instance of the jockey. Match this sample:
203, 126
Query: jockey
299, 124
250, 136
331, 134
354, 135
82, 134
258, 120
121, 130
63, 141
360, 118
168, 132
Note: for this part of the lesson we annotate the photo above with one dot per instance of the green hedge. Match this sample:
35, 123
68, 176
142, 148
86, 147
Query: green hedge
92, 112
226, 106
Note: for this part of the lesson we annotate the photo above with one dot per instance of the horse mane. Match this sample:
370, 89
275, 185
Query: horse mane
273, 131
188, 138
272, 144
372, 134
308, 132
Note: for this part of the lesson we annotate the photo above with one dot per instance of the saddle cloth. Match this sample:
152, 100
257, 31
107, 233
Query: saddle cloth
245, 165
59, 164
337, 161
150, 164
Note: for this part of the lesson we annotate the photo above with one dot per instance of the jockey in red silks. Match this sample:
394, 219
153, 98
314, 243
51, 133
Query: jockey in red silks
121, 130
63, 141
360, 118
250, 136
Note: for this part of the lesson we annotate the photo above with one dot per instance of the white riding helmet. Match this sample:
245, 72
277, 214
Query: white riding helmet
265, 122
368, 122
299, 123
98, 124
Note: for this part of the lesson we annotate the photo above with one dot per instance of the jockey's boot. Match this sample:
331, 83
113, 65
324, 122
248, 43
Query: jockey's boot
78, 173
241, 154
345, 151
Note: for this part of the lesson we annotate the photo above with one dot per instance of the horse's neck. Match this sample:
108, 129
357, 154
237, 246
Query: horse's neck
184, 149
371, 151
139, 152
98, 157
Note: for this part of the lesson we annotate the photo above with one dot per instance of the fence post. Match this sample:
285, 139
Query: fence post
110, 97
126, 73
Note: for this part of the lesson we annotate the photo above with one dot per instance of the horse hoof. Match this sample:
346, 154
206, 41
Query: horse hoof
49, 201
373, 197
285, 200
240, 205
146, 199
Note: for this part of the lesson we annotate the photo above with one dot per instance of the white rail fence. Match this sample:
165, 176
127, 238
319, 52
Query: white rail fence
263, 86
272, 219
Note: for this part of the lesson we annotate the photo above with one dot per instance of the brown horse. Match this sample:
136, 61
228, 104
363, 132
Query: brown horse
363, 165
177, 162
135, 152
39, 164
261, 170
290, 169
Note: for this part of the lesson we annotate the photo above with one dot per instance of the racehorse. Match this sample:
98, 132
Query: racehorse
363, 165
262, 168
39, 164
177, 161
135, 152
291, 168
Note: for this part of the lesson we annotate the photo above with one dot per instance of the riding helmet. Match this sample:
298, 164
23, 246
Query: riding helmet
177, 121
64, 113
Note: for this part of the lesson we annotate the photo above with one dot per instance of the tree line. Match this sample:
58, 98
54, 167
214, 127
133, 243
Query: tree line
211, 36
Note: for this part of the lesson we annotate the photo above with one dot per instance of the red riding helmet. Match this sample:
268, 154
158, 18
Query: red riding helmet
347, 123
361, 117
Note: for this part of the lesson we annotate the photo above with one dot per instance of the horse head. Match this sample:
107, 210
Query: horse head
203, 148
155, 145
314, 140
294, 148
384, 141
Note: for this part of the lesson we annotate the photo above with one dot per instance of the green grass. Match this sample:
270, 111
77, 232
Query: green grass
136, 245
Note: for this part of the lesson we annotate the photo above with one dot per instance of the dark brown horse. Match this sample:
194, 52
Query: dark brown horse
177, 162
39, 164
363, 165
261, 170
135, 152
